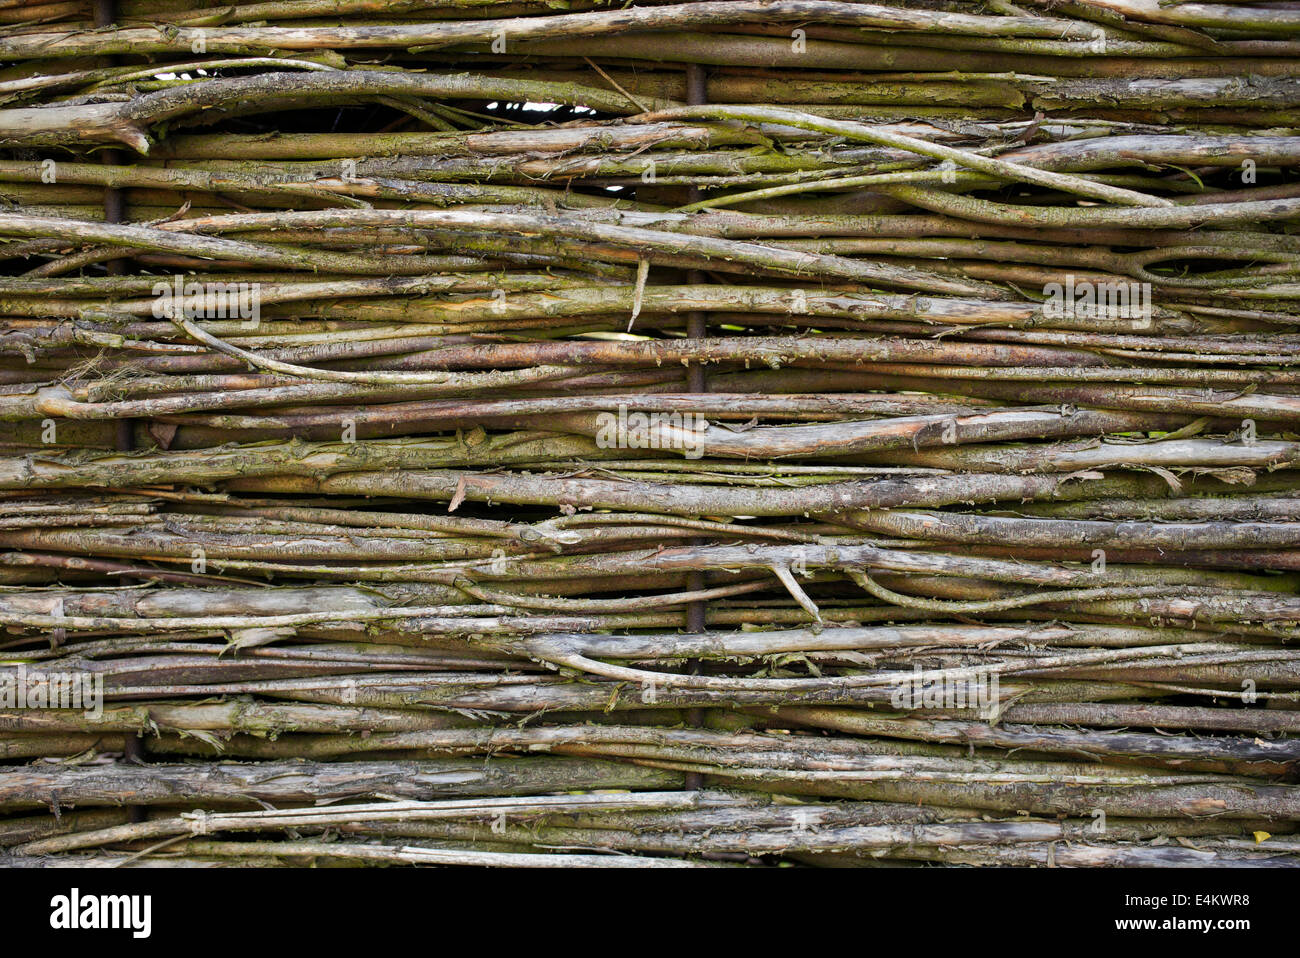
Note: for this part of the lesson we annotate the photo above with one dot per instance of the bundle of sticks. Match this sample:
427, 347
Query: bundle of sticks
670, 434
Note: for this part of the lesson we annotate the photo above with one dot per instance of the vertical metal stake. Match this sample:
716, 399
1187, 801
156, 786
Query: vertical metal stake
697, 327
115, 212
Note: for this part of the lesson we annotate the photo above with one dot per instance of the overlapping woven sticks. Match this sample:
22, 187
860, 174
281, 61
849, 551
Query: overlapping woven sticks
664, 434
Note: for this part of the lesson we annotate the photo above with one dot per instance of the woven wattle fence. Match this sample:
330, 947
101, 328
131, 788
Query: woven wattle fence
653, 434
